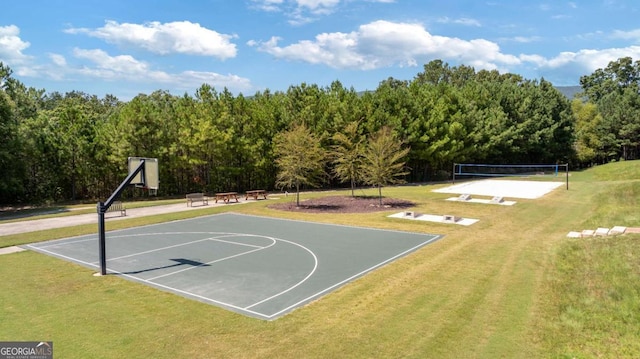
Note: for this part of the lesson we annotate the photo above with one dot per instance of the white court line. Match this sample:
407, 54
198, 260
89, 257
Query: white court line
39, 249
182, 244
315, 266
114, 237
166, 287
246, 309
65, 243
327, 224
216, 260
352, 277
241, 244
157, 249
206, 299
187, 293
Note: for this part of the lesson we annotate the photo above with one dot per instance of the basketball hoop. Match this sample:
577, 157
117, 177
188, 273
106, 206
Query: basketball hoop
143, 172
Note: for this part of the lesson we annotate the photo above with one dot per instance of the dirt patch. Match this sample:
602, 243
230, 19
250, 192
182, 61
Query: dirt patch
343, 204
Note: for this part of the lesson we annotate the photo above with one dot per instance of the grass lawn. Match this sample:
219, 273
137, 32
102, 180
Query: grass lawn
510, 286
71, 210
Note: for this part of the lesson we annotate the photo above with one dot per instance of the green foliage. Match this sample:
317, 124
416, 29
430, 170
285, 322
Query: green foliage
11, 174
617, 76
348, 155
300, 159
74, 145
588, 121
383, 160
615, 90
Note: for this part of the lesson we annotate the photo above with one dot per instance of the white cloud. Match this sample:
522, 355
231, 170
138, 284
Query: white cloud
461, 21
302, 12
587, 59
98, 65
58, 59
125, 67
627, 35
11, 45
268, 5
538, 60
113, 67
582, 62
297, 9
383, 43
522, 39
182, 37
312, 5
190, 80
317, 5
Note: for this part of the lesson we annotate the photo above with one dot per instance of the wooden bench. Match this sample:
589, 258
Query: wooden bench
255, 194
227, 196
118, 206
197, 197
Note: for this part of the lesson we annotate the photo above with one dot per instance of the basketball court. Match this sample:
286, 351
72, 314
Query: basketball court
257, 266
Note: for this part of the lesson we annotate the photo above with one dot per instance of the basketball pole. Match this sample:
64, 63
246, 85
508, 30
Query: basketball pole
104, 207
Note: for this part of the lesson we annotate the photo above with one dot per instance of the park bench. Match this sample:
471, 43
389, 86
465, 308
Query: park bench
255, 194
197, 197
118, 206
227, 196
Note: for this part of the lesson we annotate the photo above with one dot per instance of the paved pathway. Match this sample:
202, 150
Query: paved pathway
68, 221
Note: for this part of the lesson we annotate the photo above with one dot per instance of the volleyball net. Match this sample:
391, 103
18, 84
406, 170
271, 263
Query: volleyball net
550, 171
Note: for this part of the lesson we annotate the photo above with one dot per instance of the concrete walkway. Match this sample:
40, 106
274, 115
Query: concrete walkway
68, 221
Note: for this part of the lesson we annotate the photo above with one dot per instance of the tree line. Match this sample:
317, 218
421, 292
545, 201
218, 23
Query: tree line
74, 146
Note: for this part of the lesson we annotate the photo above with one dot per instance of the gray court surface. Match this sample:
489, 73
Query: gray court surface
257, 266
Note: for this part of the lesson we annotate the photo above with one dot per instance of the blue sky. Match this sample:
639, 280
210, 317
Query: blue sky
127, 47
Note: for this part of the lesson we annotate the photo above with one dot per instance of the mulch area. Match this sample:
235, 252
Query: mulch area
343, 204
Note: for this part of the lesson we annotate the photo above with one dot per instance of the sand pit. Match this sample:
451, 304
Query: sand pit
503, 188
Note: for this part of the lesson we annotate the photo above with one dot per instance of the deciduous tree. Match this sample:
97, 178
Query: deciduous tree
348, 155
300, 159
384, 160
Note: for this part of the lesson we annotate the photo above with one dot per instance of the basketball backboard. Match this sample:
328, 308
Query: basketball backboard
151, 179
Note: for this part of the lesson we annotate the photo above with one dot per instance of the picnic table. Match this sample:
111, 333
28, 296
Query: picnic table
227, 196
255, 194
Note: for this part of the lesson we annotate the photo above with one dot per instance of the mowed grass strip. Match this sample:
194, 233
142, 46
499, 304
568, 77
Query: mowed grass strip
71, 210
592, 306
511, 286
